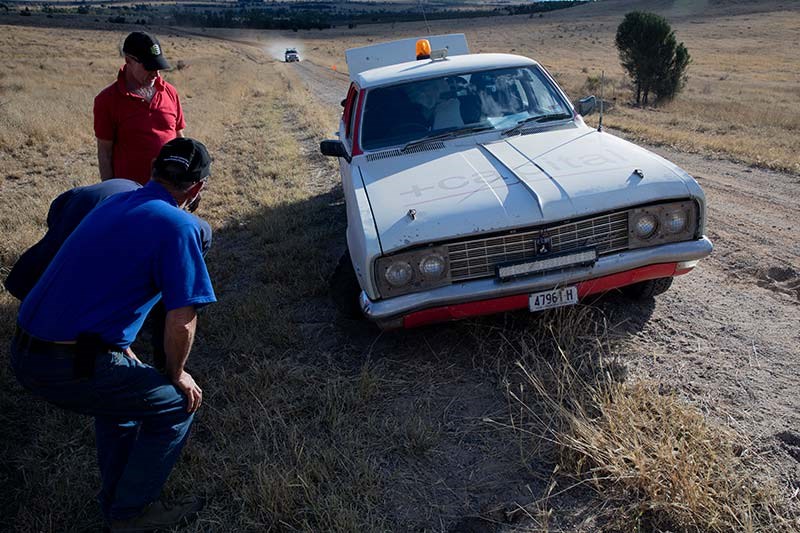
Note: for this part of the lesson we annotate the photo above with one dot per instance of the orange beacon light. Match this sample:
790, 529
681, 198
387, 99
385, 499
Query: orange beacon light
423, 49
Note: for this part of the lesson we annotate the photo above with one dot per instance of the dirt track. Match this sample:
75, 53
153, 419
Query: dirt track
728, 334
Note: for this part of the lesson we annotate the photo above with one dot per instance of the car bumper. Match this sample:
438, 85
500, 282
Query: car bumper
489, 295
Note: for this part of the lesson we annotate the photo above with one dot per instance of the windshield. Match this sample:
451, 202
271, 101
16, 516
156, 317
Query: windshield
493, 99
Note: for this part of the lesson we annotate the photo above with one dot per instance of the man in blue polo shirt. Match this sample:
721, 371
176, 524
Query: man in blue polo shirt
64, 215
86, 310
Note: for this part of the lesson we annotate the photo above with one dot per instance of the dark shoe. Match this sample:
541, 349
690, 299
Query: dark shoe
161, 515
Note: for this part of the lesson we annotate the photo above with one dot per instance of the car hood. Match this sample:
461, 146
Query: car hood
467, 189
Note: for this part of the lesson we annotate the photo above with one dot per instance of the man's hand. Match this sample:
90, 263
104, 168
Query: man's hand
129, 352
194, 394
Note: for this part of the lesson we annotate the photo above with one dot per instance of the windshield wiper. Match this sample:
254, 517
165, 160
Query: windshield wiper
446, 135
535, 120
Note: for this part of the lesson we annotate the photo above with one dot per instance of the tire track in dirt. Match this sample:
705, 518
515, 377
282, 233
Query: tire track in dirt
329, 86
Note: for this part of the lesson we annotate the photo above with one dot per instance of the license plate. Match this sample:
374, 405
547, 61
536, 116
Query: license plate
539, 301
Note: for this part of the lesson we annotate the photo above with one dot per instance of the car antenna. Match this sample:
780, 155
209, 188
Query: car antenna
602, 86
422, 8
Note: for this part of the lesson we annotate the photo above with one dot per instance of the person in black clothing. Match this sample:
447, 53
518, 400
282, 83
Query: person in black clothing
65, 214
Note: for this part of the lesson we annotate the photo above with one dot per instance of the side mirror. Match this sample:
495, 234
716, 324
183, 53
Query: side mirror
586, 105
343, 102
333, 148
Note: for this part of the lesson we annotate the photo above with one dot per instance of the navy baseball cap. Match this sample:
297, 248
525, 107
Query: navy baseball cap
146, 49
183, 160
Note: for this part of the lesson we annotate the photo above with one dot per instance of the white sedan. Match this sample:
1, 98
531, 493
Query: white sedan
473, 186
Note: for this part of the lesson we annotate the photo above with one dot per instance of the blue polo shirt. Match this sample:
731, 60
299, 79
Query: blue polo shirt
131, 250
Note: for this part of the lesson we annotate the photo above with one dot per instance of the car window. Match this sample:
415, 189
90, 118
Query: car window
499, 98
352, 120
348, 113
546, 101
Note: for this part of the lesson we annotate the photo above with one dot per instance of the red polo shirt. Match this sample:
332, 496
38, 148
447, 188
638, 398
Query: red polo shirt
138, 129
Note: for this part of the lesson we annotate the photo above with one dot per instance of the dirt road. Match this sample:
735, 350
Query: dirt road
729, 333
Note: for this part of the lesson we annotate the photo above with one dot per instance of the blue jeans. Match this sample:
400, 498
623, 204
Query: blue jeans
141, 423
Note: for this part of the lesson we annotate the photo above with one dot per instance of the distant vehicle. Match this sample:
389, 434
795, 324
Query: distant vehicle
473, 186
290, 56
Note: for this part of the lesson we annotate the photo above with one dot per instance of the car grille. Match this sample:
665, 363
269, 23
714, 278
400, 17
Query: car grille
477, 258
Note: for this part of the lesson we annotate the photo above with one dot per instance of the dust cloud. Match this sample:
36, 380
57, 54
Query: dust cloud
276, 49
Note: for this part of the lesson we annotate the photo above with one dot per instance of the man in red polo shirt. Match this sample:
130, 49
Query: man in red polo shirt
136, 115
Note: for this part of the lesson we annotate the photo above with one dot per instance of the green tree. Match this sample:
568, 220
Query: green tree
651, 55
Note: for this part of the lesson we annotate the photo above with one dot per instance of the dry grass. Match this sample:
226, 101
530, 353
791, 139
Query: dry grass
666, 467
655, 462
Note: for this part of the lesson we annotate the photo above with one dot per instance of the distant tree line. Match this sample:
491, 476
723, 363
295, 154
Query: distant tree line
301, 15
539, 7
320, 15
262, 19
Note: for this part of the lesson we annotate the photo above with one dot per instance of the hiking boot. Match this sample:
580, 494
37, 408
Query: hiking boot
161, 515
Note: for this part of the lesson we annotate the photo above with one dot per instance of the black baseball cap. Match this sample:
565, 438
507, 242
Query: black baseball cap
146, 49
183, 160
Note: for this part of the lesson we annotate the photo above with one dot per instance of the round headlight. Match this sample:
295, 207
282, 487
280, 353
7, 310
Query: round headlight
645, 226
675, 222
399, 273
432, 266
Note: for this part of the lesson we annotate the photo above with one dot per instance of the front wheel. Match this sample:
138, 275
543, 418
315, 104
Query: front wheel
344, 288
647, 289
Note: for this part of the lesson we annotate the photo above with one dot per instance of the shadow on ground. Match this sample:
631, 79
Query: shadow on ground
442, 390
405, 430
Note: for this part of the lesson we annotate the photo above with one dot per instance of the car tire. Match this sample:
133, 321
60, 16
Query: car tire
647, 289
344, 288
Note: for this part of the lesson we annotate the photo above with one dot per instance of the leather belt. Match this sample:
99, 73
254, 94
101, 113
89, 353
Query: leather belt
28, 342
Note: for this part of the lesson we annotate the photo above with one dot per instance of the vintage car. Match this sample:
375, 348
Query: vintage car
290, 55
474, 186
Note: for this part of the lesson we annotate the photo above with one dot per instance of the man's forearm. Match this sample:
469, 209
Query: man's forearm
105, 153
178, 338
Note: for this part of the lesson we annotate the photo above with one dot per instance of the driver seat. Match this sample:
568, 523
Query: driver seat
447, 115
